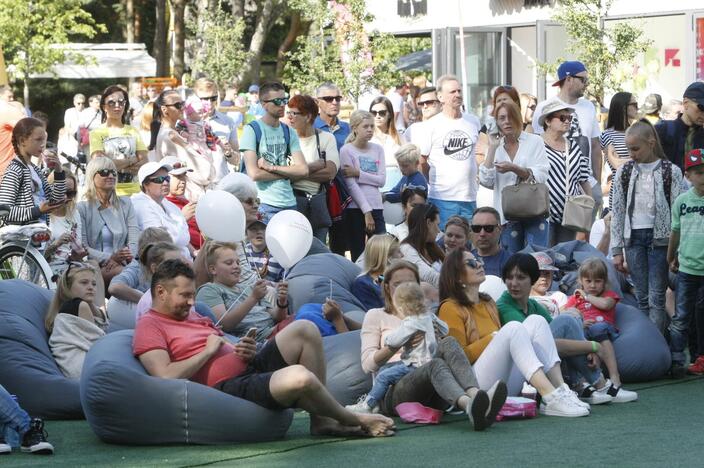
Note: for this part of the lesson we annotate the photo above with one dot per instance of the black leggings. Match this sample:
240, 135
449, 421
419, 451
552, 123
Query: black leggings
357, 235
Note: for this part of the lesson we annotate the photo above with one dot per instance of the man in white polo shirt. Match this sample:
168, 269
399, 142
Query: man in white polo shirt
447, 142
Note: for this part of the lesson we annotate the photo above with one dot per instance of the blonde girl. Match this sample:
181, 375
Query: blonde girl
363, 166
75, 295
643, 192
380, 250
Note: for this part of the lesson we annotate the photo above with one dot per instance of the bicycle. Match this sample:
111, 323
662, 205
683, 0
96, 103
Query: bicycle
20, 257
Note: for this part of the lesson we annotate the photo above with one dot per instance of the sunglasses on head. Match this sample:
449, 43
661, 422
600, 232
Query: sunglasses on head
209, 98
329, 99
160, 179
488, 228
279, 101
107, 172
474, 263
177, 105
381, 113
429, 102
113, 103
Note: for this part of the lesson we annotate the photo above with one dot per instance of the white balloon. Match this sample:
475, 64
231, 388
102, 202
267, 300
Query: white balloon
220, 216
289, 236
393, 213
493, 286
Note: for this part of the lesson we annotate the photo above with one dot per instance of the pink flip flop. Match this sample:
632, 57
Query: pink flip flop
412, 412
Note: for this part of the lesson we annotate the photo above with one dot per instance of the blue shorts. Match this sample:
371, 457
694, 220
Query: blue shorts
601, 331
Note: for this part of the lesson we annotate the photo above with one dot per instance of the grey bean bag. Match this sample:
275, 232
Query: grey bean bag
345, 378
124, 405
310, 281
27, 368
641, 351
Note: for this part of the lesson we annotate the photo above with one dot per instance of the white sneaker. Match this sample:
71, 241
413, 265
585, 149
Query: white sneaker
362, 406
618, 394
559, 403
593, 396
573, 396
5, 448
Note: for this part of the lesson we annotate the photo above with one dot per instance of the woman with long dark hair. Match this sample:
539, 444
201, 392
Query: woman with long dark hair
623, 110
419, 247
386, 135
116, 139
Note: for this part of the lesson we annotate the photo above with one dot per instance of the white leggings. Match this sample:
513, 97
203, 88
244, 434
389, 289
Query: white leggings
515, 353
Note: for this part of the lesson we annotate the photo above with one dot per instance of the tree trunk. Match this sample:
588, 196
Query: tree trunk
252, 68
202, 7
129, 21
160, 43
138, 22
295, 29
178, 9
237, 7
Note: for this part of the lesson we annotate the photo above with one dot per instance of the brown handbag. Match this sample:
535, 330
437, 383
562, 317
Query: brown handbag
525, 200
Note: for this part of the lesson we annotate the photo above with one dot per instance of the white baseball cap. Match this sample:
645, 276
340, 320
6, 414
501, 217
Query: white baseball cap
178, 167
150, 168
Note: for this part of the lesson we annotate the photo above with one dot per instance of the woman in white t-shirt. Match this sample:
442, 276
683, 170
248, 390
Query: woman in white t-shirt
320, 153
386, 135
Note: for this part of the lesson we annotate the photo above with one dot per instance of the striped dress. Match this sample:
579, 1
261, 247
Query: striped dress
557, 184
618, 140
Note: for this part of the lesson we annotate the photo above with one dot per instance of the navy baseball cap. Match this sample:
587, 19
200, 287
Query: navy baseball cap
253, 88
568, 69
695, 92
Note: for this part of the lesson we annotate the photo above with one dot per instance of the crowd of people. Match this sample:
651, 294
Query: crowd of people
126, 249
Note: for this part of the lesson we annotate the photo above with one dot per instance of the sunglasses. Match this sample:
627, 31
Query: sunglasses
71, 193
113, 103
107, 172
474, 263
532, 107
429, 102
488, 228
160, 179
381, 113
178, 105
329, 99
583, 79
279, 101
293, 113
563, 118
209, 98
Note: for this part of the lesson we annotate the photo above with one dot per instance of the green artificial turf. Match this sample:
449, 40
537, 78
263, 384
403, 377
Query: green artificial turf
661, 429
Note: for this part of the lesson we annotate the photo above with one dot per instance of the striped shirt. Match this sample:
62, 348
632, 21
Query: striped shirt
616, 139
578, 168
18, 188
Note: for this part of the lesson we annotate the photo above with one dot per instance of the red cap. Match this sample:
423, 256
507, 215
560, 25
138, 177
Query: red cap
694, 158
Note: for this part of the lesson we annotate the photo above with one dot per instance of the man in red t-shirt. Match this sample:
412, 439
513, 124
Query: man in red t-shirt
173, 342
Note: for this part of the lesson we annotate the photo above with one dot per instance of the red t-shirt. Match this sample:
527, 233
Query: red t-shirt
183, 339
589, 312
193, 229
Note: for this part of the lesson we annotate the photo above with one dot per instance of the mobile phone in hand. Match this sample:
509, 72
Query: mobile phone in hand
252, 333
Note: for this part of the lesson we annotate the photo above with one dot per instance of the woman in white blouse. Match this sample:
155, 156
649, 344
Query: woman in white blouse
153, 210
513, 156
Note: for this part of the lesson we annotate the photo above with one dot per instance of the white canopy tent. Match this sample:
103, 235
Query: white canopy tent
110, 61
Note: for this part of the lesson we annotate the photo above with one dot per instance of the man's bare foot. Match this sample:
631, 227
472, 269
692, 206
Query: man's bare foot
376, 425
326, 426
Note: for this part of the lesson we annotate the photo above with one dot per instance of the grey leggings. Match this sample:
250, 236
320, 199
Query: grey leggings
438, 383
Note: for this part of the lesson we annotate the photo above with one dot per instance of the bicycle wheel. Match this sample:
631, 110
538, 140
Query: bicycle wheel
33, 269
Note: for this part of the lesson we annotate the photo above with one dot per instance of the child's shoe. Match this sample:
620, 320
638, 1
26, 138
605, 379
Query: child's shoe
34, 440
619, 394
5, 448
363, 406
697, 368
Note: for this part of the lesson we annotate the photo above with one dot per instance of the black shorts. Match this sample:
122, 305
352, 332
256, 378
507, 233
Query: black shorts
253, 384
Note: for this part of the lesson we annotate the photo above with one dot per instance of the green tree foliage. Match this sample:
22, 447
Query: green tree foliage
32, 32
601, 48
222, 54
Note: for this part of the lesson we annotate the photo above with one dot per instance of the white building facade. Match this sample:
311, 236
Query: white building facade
503, 39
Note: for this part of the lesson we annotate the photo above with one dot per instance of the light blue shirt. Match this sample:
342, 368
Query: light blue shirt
272, 147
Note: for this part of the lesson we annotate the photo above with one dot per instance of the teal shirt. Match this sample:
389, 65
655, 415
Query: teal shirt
509, 310
688, 220
272, 147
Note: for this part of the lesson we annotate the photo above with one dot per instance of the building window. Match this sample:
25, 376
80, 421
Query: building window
410, 8
532, 3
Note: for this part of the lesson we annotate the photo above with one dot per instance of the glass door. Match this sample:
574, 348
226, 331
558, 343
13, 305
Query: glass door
699, 47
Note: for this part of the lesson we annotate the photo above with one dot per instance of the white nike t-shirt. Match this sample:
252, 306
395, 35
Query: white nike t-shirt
449, 145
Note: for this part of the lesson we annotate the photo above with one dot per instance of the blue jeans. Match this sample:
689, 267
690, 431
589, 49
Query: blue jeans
574, 368
649, 272
267, 211
517, 234
449, 208
690, 300
386, 377
601, 331
11, 414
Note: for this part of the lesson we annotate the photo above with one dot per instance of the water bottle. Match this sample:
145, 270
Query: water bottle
12, 437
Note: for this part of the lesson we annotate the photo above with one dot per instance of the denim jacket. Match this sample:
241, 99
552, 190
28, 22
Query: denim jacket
622, 208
